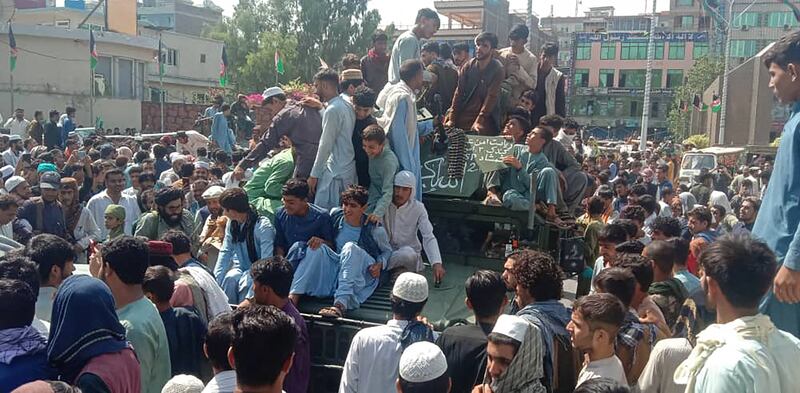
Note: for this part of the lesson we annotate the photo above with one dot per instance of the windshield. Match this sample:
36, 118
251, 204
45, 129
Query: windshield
698, 161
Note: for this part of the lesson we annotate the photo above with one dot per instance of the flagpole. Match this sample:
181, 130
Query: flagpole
91, 97
648, 80
11, 73
724, 99
160, 82
11, 80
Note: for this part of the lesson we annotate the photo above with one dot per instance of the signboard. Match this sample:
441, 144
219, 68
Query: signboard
641, 37
489, 151
435, 180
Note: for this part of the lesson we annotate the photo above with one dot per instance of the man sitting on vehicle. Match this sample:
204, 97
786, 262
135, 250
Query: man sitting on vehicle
405, 218
264, 188
299, 221
351, 271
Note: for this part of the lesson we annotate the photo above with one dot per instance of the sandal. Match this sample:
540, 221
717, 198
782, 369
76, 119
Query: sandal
331, 312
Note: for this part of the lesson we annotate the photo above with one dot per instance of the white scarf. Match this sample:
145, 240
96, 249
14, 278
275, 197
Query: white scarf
550, 84
389, 99
757, 327
216, 300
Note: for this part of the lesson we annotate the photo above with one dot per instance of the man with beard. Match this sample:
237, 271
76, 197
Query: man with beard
169, 214
12, 155
475, 99
115, 182
549, 85
43, 214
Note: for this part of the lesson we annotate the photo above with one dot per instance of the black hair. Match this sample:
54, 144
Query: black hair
649, 204
410, 69
70, 110
147, 176
753, 201
663, 255
445, 51
364, 97
17, 304
601, 308
605, 192
275, 272
619, 182
346, 84
640, 266
555, 122
618, 282
486, 292
115, 172
297, 188
128, 256
462, 47
7, 201
166, 195
595, 206
379, 36
612, 233
669, 226
53, 113
742, 266
681, 249
431, 46
374, 133
187, 170
158, 280
17, 266
159, 151
202, 151
327, 75
571, 124
181, 244
47, 251
629, 226
700, 213
786, 50
539, 274
427, 13
720, 209
633, 212
639, 189
634, 247
406, 310
224, 107
518, 31
440, 384
263, 340
489, 38
602, 385
218, 340
550, 49
355, 193
522, 116
235, 199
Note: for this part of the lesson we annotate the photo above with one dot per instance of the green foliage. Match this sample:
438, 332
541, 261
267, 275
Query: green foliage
703, 73
303, 30
699, 141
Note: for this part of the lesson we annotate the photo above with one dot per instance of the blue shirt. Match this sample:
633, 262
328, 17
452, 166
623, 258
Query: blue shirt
67, 127
221, 134
25, 368
347, 233
292, 229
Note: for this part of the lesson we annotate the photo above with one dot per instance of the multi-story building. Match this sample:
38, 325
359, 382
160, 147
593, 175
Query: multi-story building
179, 16
757, 25
608, 77
465, 19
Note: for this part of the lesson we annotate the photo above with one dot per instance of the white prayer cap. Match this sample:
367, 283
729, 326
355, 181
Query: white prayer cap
411, 287
512, 326
271, 92
7, 171
213, 192
183, 383
174, 156
14, 138
202, 164
405, 179
13, 182
422, 361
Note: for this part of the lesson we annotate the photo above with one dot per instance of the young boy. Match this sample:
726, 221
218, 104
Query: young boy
114, 221
383, 165
607, 240
596, 319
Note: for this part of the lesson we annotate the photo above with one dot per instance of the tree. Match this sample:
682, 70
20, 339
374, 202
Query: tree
702, 74
258, 70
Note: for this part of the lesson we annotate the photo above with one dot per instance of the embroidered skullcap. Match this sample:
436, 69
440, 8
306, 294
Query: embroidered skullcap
422, 362
411, 287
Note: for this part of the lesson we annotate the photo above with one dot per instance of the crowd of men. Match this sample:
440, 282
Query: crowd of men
686, 287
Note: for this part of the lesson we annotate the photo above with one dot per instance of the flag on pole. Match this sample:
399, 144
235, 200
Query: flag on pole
92, 51
716, 104
12, 45
160, 57
279, 62
223, 68
794, 8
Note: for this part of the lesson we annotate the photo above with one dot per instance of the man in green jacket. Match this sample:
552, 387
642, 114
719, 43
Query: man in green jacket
264, 189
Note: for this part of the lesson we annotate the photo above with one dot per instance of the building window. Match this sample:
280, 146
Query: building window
686, 21
654, 109
607, 78
704, 23
699, 50
634, 51
202, 58
632, 79
200, 98
685, 3
156, 95
608, 51
102, 77
581, 78
677, 50
780, 19
674, 78
749, 19
655, 79
583, 51
172, 57
659, 48
125, 87
743, 48
635, 108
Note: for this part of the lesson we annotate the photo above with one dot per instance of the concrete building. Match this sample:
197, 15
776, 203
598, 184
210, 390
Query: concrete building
762, 23
607, 86
465, 19
53, 72
180, 16
191, 68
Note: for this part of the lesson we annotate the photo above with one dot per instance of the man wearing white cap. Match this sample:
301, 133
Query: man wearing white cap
299, 122
374, 356
404, 218
513, 358
334, 167
171, 175
18, 187
12, 155
187, 142
423, 367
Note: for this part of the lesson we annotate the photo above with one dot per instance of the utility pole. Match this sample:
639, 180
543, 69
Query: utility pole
529, 22
161, 81
724, 110
648, 80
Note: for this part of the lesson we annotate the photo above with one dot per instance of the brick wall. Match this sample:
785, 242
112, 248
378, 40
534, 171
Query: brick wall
182, 116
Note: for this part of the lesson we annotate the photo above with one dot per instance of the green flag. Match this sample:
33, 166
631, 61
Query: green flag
223, 68
279, 62
12, 45
92, 51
